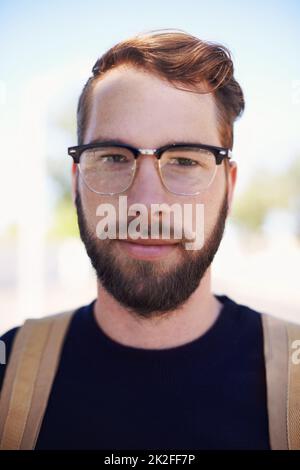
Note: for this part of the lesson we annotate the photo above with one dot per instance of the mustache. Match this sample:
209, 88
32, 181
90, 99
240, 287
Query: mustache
157, 229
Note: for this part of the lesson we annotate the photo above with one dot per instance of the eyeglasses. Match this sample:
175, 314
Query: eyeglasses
184, 168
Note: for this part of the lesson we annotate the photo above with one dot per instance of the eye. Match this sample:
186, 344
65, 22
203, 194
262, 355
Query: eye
114, 158
182, 161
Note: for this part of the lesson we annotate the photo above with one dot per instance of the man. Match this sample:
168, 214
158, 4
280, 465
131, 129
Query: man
157, 361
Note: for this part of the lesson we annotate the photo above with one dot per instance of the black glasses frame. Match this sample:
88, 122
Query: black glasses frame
219, 152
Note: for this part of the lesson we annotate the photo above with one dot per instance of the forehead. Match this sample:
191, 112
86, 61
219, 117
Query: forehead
146, 111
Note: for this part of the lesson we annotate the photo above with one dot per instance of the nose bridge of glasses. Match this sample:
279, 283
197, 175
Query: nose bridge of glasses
147, 152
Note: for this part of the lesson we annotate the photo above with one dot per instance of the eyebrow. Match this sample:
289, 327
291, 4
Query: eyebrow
101, 139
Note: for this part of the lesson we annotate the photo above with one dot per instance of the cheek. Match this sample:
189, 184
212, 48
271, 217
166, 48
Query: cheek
212, 200
90, 203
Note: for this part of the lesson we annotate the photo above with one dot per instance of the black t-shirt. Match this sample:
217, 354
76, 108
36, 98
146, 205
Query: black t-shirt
209, 393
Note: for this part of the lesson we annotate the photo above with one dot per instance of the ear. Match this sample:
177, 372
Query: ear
74, 181
231, 181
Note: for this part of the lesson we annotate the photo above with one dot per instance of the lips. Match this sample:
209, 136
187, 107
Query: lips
147, 249
152, 242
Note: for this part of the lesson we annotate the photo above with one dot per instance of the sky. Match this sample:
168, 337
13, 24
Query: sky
50, 48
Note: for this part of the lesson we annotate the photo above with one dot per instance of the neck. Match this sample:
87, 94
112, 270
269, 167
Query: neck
178, 327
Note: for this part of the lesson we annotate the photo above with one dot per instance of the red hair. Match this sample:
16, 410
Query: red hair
183, 60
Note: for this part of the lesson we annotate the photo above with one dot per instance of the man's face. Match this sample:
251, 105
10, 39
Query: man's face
147, 112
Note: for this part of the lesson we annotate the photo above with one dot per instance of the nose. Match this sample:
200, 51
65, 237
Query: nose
147, 187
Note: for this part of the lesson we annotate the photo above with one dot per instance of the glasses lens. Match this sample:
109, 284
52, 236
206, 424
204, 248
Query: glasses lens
107, 169
187, 170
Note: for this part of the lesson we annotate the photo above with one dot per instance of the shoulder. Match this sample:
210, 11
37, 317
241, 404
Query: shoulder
241, 309
7, 341
242, 318
55, 325
272, 325
8, 337
251, 322
280, 336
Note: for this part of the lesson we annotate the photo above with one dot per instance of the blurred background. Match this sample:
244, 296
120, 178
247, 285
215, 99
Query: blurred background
47, 51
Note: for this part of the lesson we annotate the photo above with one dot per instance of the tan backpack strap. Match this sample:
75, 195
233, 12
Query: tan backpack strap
294, 387
276, 364
28, 379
